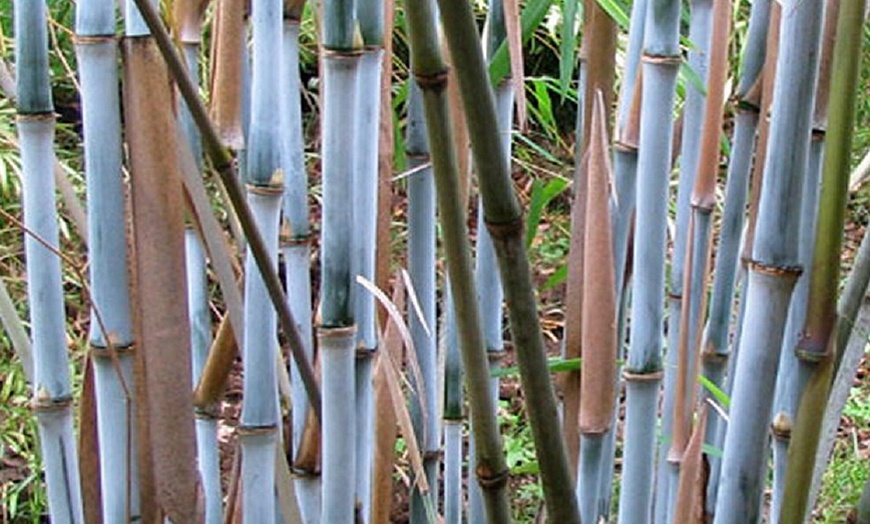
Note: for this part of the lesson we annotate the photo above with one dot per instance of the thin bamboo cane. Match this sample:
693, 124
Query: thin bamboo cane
371, 19
755, 91
421, 266
188, 16
258, 431
690, 145
790, 380
643, 368
295, 244
51, 387
773, 269
697, 254
97, 51
503, 218
453, 415
337, 331
430, 74
818, 343
490, 294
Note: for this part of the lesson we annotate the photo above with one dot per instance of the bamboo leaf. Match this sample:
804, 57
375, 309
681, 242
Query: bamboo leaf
542, 194
531, 18
720, 396
615, 11
555, 365
567, 44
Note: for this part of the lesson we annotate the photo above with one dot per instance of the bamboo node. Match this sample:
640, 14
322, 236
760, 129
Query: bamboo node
207, 412
49, 116
99, 351
494, 481
336, 331
341, 54
818, 133
43, 403
94, 39
268, 190
792, 272
288, 239
363, 352
432, 80
665, 60
505, 230
630, 376
624, 146
781, 426
245, 430
495, 356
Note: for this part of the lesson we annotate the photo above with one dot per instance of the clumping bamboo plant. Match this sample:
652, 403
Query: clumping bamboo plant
52, 391
97, 50
774, 266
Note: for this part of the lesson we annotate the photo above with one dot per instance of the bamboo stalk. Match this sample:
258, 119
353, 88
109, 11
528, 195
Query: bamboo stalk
341, 65
790, 380
503, 218
690, 146
52, 393
295, 240
774, 267
818, 343
490, 294
755, 92
97, 51
643, 369
264, 177
365, 181
430, 75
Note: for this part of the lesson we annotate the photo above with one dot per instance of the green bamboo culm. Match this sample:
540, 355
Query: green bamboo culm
816, 348
431, 75
504, 221
52, 402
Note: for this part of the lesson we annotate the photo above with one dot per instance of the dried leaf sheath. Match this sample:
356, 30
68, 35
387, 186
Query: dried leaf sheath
160, 303
598, 372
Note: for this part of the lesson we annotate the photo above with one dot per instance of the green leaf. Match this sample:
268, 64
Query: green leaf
616, 12
714, 390
555, 365
541, 196
533, 15
557, 278
567, 44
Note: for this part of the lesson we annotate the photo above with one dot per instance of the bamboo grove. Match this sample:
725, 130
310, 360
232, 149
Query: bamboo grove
703, 327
